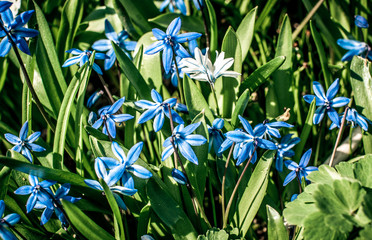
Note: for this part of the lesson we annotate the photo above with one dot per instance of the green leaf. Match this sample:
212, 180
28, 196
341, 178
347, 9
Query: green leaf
254, 193
85, 225
213, 26
214, 234
275, 226
240, 107
170, 212
305, 131
260, 75
361, 82
131, 72
143, 221
245, 32
189, 23
362, 170
119, 230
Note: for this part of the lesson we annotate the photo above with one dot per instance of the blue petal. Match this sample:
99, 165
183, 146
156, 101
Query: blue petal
237, 136
289, 178
26, 152
22, 45
167, 58
124, 190
218, 123
159, 34
291, 165
118, 152
7, 16
35, 148
340, 101
93, 184
98, 123
121, 117
350, 54
4, 5
171, 101
319, 114
145, 104
31, 201
244, 153
116, 106
110, 162
100, 56
147, 115
279, 124
46, 215
350, 44
63, 190
97, 69
174, 27
309, 98
246, 125
164, 5
110, 32
100, 168
187, 152
158, 121
130, 45
120, 201
318, 90
305, 158
24, 190
362, 122
266, 144
33, 180
25, 32
182, 52
134, 153
195, 140
47, 183
83, 59
333, 115
156, 96
12, 138
22, 19
361, 22
185, 37
154, 48
178, 176
114, 175
167, 152
71, 61
24, 131
102, 45
6, 234
109, 62
12, 218
110, 129
279, 163
139, 171
2, 204
310, 169
74, 51
127, 180
33, 137
181, 6
333, 89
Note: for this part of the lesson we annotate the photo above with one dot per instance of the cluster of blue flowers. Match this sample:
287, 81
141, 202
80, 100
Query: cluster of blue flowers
180, 4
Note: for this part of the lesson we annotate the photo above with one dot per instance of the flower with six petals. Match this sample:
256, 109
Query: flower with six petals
284, 150
82, 57
5, 222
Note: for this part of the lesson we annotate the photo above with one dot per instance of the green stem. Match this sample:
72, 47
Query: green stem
212, 202
236, 188
215, 99
224, 180
14, 229
339, 136
180, 87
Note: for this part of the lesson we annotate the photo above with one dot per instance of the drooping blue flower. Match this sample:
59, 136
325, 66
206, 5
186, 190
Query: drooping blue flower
249, 140
111, 178
108, 119
181, 108
24, 144
326, 102
178, 176
104, 45
299, 170
355, 48
169, 41
173, 3
272, 128
82, 57
157, 110
5, 5
5, 222
198, 4
94, 98
40, 191
183, 138
284, 150
14, 26
361, 22
215, 135
125, 164
353, 117
92, 118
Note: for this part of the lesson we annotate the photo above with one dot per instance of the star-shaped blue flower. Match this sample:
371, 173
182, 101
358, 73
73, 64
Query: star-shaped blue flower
356, 119
215, 135
173, 3
24, 144
299, 170
39, 191
119, 39
157, 109
249, 140
355, 48
108, 119
10, 219
327, 102
14, 26
182, 140
284, 150
82, 57
126, 163
169, 41
178, 176
272, 128
110, 178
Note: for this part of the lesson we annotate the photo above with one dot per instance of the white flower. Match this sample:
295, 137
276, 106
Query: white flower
201, 67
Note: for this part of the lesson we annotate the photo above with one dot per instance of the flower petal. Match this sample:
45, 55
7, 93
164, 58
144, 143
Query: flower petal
167, 152
289, 178
134, 153
195, 140
333, 89
93, 184
154, 48
118, 152
174, 27
340, 102
33, 137
139, 171
305, 158
246, 125
12, 138
102, 45
318, 90
291, 165
159, 34
147, 115
110, 32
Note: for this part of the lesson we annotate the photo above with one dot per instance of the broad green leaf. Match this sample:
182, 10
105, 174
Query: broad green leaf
322, 55
260, 75
305, 131
143, 221
131, 72
283, 76
213, 31
275, 226
170, 212
85, 225
214, 234
125, 19
362, 170
195, 100
254, 193
245, 32
189, 23
241, 104
361, 82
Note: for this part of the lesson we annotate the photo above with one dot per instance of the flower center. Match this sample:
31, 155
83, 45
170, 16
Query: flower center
168, 40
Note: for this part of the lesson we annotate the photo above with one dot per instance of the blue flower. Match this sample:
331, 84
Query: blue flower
119, 39
24, 144
108, 119
183, 138
327, 102
170, 42
272, 129
94, 98
355, 48
10, 219
284, 150
4, 5
198, 4
157, 109
294, 197
92, 118
249, 140
355, 119
178, 176
215, 135
173, 3
82, 57
125, 164
181, 108
14, 26
39, 191
299, 170
361, 22
110, 178
173, 72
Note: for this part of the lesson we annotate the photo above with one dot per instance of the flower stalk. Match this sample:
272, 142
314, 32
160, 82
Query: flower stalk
339, 136
224, 180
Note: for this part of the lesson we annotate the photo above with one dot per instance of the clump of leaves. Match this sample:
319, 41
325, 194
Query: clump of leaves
337, 204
